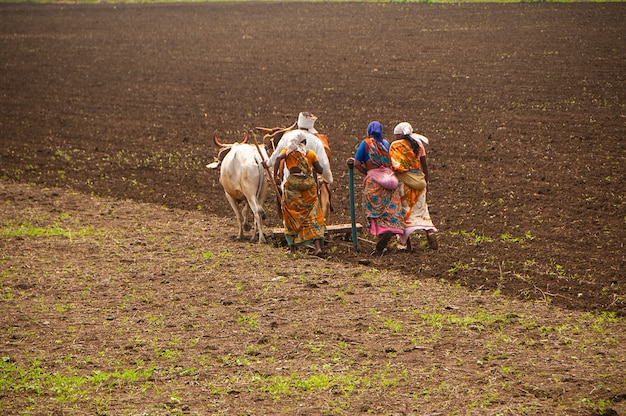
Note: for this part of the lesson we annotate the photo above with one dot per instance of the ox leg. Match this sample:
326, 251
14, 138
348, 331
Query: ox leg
325, 200
240, 219
259, 216
244, 212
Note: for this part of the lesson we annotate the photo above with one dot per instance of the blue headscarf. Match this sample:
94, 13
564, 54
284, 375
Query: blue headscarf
375, 130
378, 149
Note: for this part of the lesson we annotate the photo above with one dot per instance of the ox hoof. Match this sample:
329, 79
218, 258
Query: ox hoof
247, 227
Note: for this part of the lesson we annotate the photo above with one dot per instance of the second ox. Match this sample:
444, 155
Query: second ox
243, 179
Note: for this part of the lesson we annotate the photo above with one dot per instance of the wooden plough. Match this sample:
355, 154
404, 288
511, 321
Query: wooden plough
330, 229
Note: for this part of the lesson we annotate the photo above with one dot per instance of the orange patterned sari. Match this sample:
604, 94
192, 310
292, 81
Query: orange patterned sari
302, 215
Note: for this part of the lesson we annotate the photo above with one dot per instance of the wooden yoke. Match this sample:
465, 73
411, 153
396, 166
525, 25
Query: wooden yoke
273, 134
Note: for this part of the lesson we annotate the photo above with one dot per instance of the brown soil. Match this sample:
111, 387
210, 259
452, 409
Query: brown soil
523, 104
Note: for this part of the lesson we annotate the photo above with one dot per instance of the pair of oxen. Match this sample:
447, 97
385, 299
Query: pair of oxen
243, 176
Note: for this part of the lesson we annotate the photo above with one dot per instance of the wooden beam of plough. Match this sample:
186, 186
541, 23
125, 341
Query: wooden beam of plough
330, 229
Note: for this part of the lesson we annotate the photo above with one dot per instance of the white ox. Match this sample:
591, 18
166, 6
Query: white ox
243, 179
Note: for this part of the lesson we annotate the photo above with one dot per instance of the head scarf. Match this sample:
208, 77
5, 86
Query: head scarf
296, 143
375, 130
403, 128
406, 130
377, 149
306, 121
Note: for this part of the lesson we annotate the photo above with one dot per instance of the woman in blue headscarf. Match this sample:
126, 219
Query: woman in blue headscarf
381, 200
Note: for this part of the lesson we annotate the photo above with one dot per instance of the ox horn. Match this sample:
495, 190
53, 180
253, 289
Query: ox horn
245, 138
217, 142
268, 138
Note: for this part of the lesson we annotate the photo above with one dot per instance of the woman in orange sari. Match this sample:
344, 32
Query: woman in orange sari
302, 214
408, 160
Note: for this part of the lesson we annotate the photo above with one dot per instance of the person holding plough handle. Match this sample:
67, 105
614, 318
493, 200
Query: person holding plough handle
381, 200
301, 211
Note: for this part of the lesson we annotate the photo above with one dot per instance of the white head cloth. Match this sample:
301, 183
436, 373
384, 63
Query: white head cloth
406, 129
307, 121
312, 143
296, 143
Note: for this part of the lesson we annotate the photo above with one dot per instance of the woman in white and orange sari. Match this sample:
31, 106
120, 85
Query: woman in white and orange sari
408, 160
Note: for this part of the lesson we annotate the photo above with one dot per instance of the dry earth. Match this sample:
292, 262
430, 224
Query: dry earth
120, 308
116, 241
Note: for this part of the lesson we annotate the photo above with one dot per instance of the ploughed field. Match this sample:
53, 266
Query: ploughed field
523, 104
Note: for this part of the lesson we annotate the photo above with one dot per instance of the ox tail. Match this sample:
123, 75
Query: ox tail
259, 190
